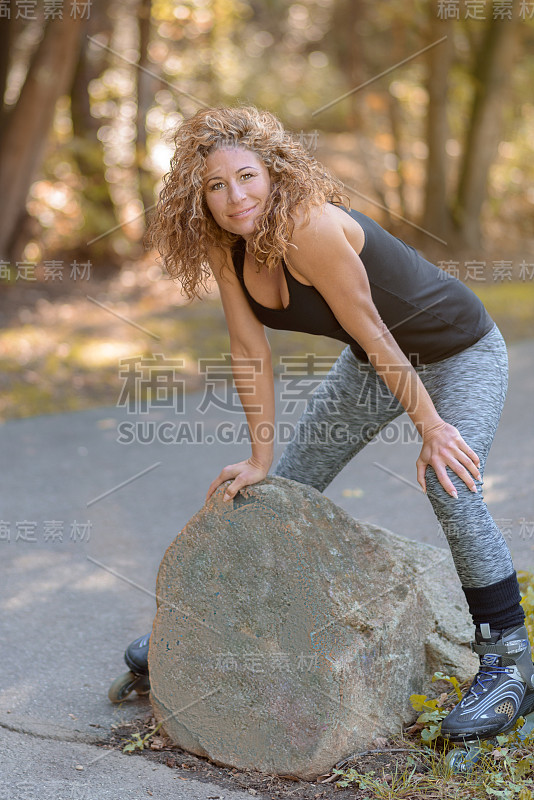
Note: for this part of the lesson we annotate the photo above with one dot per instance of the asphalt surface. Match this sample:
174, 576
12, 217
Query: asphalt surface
84, 521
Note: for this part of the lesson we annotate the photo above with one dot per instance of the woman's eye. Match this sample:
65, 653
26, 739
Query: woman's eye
217, 185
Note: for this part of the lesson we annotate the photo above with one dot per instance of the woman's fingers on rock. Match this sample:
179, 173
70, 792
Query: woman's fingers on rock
213, 485
232, 490
211, 489
229, 493
224, 475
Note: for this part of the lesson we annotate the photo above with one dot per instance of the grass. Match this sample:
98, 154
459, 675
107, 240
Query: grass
65, 355
511, 305
504, 768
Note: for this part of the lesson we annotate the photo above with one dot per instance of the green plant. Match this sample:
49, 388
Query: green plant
439, 676
432, 713
138, 742
526, 584
505, 765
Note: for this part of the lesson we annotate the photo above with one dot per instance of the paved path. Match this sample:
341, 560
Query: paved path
69, 607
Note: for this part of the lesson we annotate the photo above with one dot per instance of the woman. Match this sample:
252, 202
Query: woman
246, 202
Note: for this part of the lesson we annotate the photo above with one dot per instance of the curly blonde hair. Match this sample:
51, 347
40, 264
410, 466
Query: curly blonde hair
182, 228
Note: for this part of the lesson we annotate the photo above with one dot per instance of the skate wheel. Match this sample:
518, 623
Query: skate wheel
459, 760
127, 683
527, 727
142, 687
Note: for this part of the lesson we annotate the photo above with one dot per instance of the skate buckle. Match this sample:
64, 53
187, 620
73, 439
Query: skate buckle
501, 648
516, 646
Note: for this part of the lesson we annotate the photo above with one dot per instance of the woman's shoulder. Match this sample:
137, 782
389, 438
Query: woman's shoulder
220, 257
324, 221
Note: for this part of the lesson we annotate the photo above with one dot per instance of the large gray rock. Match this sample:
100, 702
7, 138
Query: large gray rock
288, 635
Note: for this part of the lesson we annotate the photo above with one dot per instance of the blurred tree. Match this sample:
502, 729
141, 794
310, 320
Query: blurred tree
5, 47
398, 126
145, 92
348, 27
407, 132
437, 217
27, 125
455, 214
86, 148
491, 75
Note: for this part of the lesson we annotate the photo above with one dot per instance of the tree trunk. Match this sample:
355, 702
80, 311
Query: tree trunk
25, 136
492, 77
437, 217
87, 149
5, 46
347, 27
145, 94
395, 120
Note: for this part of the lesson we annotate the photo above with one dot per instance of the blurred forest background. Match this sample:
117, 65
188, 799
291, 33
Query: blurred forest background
424, 109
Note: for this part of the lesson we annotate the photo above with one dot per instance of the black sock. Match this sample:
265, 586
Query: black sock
497, 604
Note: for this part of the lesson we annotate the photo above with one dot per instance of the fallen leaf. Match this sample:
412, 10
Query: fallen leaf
157, 743
417, 726
380, 741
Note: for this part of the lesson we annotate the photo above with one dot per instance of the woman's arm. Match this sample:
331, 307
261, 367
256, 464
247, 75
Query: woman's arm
324, 256
253, 378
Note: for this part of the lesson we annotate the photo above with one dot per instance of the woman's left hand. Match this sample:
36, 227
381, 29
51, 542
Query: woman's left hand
443, 447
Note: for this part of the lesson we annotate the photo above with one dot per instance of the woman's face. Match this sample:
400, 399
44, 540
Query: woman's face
236, 187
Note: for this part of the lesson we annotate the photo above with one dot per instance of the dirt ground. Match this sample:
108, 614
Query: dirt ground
389, 755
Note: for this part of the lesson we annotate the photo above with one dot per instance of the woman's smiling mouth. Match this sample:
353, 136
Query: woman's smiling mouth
242, 213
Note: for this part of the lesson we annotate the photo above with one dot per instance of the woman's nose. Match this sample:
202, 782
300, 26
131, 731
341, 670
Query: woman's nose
235, 192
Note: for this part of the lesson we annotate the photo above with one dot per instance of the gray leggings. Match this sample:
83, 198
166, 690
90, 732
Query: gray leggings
468, 391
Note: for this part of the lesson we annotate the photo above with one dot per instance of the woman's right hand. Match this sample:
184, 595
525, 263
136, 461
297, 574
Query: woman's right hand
244, 473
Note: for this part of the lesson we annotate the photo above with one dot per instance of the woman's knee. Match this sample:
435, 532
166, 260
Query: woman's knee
443, 502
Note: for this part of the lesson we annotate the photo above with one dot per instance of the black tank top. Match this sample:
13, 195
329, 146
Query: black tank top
431, 314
